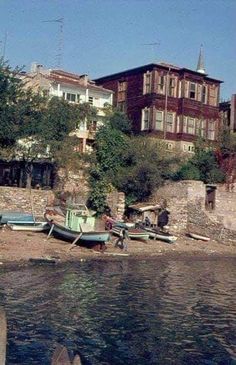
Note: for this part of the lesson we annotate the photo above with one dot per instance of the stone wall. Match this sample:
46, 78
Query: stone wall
21, 200
177, 196
116, 203
186, 203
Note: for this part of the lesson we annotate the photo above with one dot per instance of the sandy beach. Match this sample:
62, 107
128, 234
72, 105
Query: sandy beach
23, 246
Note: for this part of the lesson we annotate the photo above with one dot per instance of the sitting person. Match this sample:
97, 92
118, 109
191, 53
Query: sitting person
147, 222
163, 219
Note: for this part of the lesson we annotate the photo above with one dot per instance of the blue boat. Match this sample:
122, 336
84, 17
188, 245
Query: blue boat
6, 216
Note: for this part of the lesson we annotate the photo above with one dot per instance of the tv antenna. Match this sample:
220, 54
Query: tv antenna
4, 44
59, 54
153, 45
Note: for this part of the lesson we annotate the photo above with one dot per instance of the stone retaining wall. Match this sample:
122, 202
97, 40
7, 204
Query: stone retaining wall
186, 203
19, 199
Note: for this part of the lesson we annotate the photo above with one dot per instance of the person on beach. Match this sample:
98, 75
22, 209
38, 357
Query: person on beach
122, 240
147, 222
163, 218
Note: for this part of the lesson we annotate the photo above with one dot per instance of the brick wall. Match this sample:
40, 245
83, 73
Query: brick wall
18, 199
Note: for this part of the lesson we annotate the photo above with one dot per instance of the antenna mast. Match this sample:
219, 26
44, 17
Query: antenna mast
153, 45
59, 54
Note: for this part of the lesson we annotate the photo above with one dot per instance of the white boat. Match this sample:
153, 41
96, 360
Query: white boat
133, 233
198, 237
28, 226
162, 236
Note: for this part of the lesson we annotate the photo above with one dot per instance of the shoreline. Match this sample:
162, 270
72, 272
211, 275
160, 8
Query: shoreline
18, 247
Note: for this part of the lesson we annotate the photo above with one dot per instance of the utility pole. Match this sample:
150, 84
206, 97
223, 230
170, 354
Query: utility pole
166, 103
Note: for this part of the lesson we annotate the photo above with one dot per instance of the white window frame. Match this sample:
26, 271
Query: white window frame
161, 85
170, 124
191, 126
91, 100
211, 130
159, 121
171, 86
194, 97
145, 119
147, 87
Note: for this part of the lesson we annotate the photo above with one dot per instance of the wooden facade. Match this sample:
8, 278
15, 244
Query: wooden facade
168, 102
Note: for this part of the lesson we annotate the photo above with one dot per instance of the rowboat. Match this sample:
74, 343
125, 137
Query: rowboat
76, 226
28, 226
162, 236
133, 233
15, 216
110, 222
198, 237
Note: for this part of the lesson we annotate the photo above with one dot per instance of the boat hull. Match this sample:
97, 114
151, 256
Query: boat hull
67, 234
135, 234
15, 216
28, 226
161, 236
199, 237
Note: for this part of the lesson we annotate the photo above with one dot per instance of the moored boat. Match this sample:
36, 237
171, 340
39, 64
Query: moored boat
110, 222
199, 237
162, 236
76, 226
7, 216
133, 233
28, 226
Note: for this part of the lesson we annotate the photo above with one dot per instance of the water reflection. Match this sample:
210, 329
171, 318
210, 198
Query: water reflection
123, 312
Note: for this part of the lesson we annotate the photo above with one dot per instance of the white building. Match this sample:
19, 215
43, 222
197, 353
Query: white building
75, 89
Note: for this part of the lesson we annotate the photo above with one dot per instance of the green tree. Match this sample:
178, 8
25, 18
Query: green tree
146, 167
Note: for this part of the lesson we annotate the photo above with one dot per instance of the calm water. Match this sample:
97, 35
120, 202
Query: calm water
123, 312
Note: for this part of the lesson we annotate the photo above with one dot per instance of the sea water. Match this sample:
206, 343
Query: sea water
137, 312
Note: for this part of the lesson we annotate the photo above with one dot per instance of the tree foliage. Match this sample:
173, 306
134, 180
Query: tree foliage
134, 165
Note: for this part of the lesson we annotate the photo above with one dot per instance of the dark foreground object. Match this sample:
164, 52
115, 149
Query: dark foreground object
3, 336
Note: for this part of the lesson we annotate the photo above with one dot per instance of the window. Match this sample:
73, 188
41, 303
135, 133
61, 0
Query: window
121, 106
169, 146
211, 130
161, 84
170, 122
198, 127
188, 148
159, 120
122, 90
192, 90
191, 127
147, 83
145, 119
171, 87
212, 95
90, 100
70, 97
204, 94
203, 128
93, 126
78, 98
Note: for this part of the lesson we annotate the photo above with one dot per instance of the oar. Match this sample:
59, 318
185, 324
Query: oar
3, 336
50, 232
75, 241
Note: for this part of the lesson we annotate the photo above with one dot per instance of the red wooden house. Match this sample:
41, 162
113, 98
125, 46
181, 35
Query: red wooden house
168, 102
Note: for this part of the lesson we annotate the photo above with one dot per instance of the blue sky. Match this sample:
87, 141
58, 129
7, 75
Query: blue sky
107, 36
